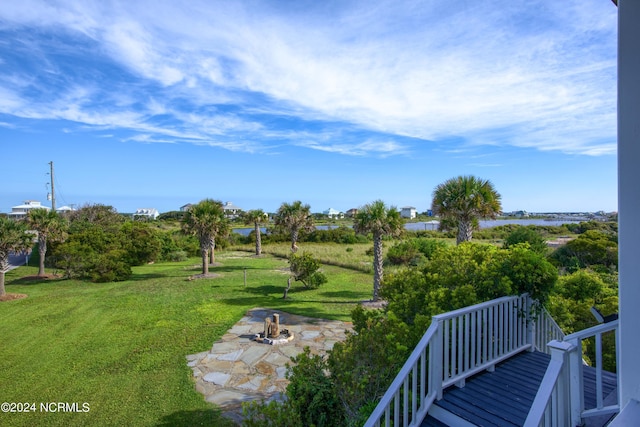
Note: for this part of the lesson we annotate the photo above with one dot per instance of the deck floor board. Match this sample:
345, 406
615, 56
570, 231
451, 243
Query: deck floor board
503, 397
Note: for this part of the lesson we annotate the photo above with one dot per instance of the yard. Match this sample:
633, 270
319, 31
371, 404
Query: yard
114, 353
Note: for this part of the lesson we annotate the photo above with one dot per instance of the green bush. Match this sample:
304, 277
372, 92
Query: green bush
305, 268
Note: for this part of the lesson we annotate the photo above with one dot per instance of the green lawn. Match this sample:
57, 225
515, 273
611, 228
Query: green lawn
121, 347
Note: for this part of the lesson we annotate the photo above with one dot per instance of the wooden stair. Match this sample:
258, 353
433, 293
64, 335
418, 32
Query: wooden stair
503, 397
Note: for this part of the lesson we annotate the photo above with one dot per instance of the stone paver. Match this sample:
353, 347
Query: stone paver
239, 369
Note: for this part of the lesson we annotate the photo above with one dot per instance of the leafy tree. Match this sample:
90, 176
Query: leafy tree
142, 242
305, 268
96, 249
312, 393
49, 226
294, 218
529, 272
527, 235
311, 398
461, 201
462, 275
95, 215
413, 251
381, 221
590, 249
570, 305
364, 365
13, 239
581, 286
256, 217
205, 220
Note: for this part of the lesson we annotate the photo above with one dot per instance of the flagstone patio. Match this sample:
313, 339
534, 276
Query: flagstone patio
239, 369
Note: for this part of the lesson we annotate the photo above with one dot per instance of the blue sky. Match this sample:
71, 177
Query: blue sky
334, 103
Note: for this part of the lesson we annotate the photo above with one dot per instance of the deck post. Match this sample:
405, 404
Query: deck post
560, 351
629, 197
576, 382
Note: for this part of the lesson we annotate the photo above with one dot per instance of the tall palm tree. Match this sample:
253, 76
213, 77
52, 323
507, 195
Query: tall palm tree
206, 221
381, 221
256, 217
294, 218
13, 238
49, 226
462, 201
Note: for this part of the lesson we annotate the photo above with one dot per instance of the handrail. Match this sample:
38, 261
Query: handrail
461, 343
384, 406
560, 399
577, 387
549, 405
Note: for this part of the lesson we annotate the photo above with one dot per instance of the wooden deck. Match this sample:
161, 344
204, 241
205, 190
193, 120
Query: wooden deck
504, 397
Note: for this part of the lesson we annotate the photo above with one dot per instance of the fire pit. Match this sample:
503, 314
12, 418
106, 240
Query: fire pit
272, 334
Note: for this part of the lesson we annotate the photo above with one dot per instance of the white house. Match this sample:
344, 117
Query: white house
21, 211
333, 213
231, 210
408, 212
64, 209
150, 213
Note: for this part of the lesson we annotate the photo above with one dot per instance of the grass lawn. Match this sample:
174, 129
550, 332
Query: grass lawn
121, 347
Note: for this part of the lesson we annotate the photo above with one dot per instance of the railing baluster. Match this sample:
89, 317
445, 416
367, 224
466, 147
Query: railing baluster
446, 348
599, 397
405, 403
414, 390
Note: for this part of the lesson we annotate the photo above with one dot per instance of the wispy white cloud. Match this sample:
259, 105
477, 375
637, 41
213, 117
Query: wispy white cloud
525, 73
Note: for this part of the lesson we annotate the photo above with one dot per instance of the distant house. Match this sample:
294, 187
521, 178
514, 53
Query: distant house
186, 207
231, 210
150, 213
408, 212
332, 213
64, 209
352, 212
21, 211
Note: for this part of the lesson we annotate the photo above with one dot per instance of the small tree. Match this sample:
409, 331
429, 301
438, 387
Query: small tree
256, 217
527, 235
462, 201
49, 226
305, 268
205, 220
294, 218
381, 221
13, 238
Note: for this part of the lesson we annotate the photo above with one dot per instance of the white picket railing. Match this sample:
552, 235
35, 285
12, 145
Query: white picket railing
457, 345
560, 399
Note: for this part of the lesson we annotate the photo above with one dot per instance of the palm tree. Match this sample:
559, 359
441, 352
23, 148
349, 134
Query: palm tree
13, 238
462, 201
256, 218
206, 221
49, 226
381, 221
294, 218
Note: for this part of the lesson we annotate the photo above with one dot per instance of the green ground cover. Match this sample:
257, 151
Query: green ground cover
121, 347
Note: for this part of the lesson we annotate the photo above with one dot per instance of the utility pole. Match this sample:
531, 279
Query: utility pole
53, 191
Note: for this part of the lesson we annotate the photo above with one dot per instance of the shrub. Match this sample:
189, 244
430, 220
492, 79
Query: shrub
304, 268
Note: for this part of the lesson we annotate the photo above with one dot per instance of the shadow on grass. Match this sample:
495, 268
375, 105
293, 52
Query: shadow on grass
343, 294
36, 280
231, 269
201, 417
266, 290
148, 276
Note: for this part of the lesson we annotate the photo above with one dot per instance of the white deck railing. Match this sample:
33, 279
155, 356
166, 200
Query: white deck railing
560, 399
457, 345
